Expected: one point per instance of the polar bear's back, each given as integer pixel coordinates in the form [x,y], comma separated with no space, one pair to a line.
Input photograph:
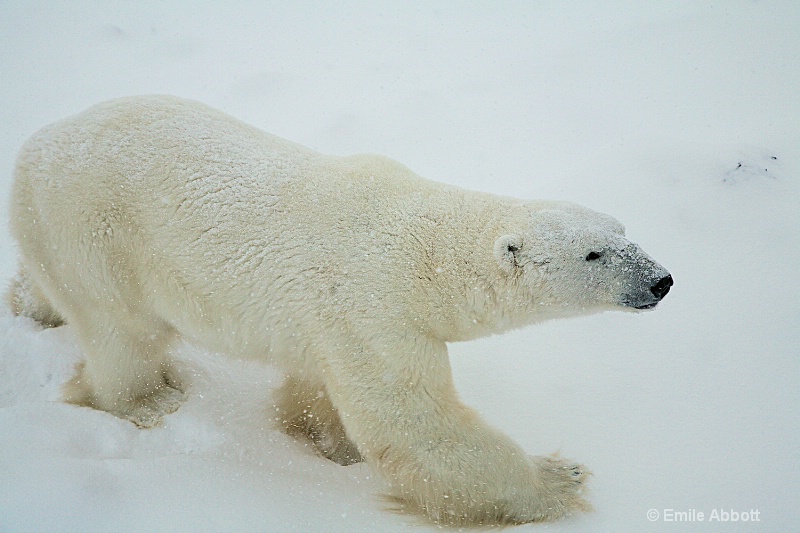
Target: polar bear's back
[154,151]
[140,143]
[178,207]
[156,161]
[135,190]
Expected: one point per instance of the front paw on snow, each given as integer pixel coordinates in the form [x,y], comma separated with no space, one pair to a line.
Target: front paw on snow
[562,484]
[553,466]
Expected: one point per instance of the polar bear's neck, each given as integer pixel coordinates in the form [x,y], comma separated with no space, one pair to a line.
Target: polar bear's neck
[438,240]
[468,293]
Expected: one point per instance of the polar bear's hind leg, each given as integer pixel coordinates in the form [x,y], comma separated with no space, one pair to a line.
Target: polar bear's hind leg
[25,298]
[126,368]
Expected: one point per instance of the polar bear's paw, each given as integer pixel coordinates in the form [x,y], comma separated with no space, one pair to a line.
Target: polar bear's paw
[26,299]
[514,489]
[333,444]
[150,411]
[146,411]
[561,485]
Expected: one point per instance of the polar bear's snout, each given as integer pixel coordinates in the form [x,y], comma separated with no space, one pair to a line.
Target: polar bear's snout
[648,281]
[661,288]
[652,295]
[658,291]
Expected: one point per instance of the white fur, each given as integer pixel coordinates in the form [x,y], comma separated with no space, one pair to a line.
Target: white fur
[148,218]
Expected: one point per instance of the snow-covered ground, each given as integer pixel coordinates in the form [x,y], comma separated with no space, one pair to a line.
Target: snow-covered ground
[682,119]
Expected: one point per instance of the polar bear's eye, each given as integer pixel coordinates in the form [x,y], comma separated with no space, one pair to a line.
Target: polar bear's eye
[593,255]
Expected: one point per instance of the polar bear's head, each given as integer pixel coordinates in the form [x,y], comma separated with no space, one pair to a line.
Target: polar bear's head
[574,261]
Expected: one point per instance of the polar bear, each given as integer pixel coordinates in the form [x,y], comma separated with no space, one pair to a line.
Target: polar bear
[146,219]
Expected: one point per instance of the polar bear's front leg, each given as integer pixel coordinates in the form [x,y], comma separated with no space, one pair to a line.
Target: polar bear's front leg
[440,458]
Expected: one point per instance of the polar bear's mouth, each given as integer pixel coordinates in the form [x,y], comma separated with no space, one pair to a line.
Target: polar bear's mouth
[657,291]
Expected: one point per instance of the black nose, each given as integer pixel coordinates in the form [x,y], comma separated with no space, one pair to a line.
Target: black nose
[661,288]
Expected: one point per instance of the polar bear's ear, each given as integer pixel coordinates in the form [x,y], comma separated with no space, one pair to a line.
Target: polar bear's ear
[506,251]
